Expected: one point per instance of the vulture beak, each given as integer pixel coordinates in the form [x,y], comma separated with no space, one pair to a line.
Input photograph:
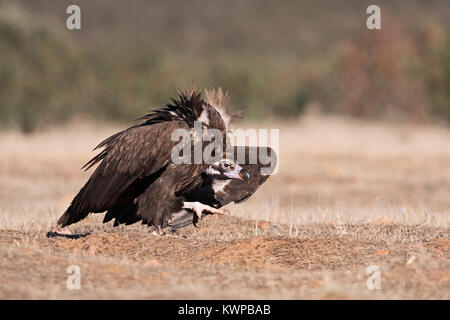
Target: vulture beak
[243,175]
[238,173]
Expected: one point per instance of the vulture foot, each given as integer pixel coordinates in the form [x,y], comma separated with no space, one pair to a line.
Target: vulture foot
[199,207]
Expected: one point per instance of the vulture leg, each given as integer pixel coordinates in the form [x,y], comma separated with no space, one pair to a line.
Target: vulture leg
[198,208]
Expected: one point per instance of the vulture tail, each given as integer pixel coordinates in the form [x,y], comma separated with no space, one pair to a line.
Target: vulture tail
[76,211]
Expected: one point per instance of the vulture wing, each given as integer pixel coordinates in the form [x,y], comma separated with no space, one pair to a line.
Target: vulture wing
[135,178]
[136,158]
[130,161]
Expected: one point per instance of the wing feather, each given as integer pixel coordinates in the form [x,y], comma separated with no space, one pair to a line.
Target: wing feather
[135,153]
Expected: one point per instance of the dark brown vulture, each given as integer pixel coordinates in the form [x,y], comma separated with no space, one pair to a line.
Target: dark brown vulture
[137,180]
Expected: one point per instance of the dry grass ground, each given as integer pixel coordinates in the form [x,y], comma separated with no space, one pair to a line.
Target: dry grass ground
[348,195]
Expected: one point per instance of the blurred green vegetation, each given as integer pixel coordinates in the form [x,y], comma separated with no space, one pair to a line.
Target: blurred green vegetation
[49,75]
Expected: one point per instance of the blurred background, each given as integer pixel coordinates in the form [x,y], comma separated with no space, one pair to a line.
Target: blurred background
[364,148]
[277,60]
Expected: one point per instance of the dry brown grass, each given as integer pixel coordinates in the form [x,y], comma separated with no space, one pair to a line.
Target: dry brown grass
[348,195]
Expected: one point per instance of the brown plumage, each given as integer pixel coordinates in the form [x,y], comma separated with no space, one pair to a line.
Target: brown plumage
[135,164]
[213,190]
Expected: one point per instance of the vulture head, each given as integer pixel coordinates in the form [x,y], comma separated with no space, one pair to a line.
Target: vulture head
[226,169]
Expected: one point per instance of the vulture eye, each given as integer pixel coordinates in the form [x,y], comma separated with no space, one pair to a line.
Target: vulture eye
[225,165]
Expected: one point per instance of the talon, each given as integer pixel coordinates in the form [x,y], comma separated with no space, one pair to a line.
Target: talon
[195,221]
[199,214]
